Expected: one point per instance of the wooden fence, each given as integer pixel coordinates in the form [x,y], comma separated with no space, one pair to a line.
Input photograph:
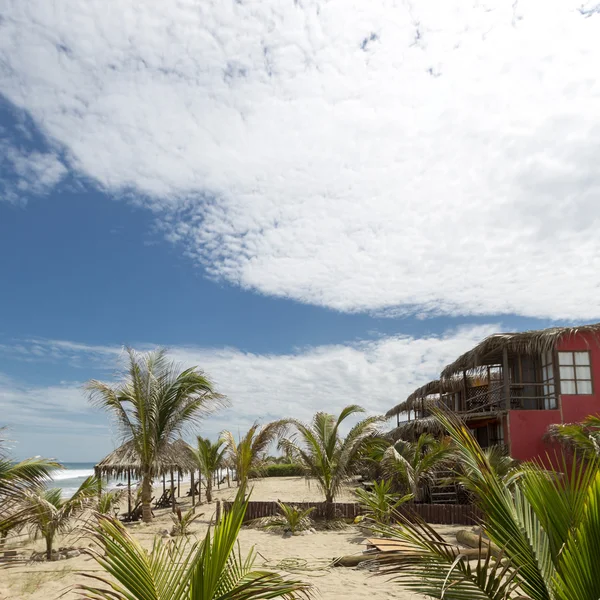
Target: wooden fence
[442,514]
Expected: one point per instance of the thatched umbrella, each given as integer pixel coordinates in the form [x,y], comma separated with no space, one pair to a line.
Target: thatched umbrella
[175,457]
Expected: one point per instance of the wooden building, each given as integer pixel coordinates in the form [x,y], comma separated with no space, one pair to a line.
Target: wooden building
[511,387]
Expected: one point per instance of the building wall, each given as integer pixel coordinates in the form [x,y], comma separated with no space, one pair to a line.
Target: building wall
[527,429]
[576,408]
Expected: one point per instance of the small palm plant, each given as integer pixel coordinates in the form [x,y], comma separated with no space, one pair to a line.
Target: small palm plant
[381,504]
[46,513]
[182,521]
[291,519]
[547,525]
[412,465]
[211,459]
[211,569]
[246,455]
[325,455]
[15,479]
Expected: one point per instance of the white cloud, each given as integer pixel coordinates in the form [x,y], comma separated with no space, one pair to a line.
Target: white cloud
[31,172]
[425,156]
[376,374]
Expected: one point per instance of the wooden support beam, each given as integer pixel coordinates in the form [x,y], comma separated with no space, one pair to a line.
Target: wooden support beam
[506,378]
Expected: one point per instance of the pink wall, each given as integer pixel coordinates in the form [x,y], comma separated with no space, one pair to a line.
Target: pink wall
[576,408]
[527,429]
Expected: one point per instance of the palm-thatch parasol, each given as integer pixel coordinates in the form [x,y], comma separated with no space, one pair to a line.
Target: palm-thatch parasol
[175,457]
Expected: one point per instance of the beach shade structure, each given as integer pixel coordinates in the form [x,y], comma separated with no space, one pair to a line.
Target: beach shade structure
[175,457]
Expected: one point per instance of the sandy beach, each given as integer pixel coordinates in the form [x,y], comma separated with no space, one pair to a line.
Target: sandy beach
[310,553]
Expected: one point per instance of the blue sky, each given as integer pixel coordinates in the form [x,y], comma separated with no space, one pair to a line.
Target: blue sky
[312,220]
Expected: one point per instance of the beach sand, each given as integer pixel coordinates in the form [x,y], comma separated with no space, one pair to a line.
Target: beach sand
[48,581]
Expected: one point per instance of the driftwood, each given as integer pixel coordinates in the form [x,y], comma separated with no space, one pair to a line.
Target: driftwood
[353,560]
[468,538]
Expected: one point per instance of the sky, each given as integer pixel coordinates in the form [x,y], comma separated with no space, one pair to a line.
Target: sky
[317,202]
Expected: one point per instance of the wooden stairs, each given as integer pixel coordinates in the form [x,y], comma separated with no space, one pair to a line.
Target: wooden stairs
[443,488]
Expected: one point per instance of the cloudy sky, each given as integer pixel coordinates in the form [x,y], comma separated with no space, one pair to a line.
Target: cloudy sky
[317,201]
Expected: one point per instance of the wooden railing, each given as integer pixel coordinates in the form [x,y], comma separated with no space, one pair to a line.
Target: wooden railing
[443,514]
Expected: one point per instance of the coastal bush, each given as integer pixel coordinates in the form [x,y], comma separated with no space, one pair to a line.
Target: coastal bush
[278,470]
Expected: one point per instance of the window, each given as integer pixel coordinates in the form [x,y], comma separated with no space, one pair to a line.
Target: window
[548,381]
[575,372]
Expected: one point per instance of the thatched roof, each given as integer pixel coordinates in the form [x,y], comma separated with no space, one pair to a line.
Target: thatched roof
[411,430]
[489,351]
[177,456]
[425,396]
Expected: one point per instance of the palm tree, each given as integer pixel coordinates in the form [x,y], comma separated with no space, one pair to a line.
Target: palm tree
[152,405]
[325,455]
[15,479]
[547,525]
[208,570]
[47,513]
[246,455]
[583,438]
[414,464]
[211,458]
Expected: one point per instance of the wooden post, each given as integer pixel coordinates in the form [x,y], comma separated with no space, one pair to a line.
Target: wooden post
[193,488]
[464,402]
[172,491]
[178,488]
[218,512]
[506,377]
[129,492]
[228,481]
[164,484]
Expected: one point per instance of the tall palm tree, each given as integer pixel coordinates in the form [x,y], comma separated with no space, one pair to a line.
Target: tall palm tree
[547,525]
[47,513]
[246,454]
[152,405]
[211,458]
[208,570]
[412,465]
[325,455]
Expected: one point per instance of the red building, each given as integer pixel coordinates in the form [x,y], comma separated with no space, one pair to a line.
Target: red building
[511,387]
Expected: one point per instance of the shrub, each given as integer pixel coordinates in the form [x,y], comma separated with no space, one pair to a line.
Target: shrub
[278,470]
[291,518]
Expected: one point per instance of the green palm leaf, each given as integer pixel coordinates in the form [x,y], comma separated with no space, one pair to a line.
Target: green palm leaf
[208,570]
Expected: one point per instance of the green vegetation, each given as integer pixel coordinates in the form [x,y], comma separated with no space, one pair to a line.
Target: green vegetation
[291,518]
[381,504]
[210,458]
[46,513]
[246,455]
[15,479]
[279,470]
[182,521]
[207,570]
[583,438]
[412,465]
[325,454]
[152,405]
[547,525]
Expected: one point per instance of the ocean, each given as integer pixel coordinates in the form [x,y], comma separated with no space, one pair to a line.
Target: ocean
[75,473]
[71,477]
